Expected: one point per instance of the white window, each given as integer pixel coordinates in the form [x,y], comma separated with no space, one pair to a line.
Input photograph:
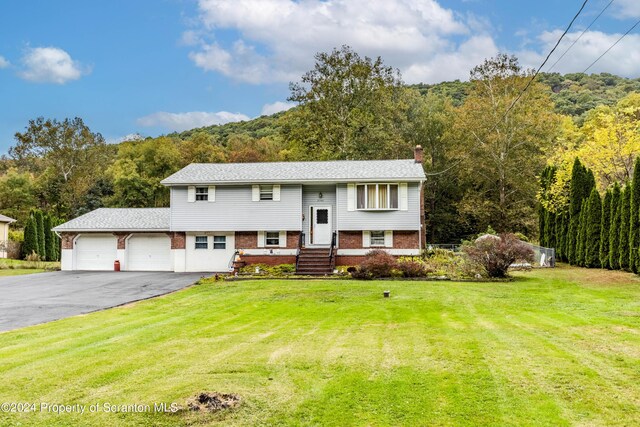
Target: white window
[202,193]
[219,242]
[202,242]
[266,192]
[377,238]
[377,196]
[272,238]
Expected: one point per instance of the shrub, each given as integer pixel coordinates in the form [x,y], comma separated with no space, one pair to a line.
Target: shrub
[269,270]
[377,263]
[410,267]
[496,253]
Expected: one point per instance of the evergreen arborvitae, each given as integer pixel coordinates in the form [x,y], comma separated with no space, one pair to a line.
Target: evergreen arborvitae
[542,217]
[575,203]
[625,202]
[582,234]
[605,226]
[562,228]
[30,244]
[550,230]
[56,240]
[634,223]
[50,251]
[614,232]
[42,250]
[592,240]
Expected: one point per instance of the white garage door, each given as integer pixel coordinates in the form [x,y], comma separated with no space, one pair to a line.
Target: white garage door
[96,251]
[149,252]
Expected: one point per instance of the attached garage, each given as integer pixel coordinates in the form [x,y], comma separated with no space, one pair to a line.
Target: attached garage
[95,251]
[149,252]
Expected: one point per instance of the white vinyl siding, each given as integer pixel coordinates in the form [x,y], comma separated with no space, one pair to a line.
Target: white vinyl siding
[398,219]
[234,210]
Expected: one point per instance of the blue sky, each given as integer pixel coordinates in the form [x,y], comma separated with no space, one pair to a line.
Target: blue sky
[155,66]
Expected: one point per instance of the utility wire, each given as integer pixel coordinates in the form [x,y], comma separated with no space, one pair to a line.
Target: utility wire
[612,46]
[545,61]
[580,36]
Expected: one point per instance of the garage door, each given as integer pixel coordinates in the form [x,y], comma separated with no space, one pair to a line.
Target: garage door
[96,252]
[149,252]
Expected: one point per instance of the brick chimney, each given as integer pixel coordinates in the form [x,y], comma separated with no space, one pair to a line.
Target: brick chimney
[417,154]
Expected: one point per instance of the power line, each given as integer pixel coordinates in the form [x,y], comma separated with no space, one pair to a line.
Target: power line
[545,60]
[612,46]
[580,36]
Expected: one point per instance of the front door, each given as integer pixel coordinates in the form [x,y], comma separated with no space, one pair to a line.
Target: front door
[320,225]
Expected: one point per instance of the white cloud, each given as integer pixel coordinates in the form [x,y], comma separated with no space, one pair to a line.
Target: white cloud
[278,38]
[50,65]
[627,9]
[3,62]
[623,59]
[276,107]
[128,137]
[193,119]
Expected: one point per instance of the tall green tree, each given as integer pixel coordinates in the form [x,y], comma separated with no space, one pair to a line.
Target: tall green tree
[579,183]
[350,107]
[634,217]
[625,206]
[503,145]
[582,234]
[39,218]
[593,230]
[30,244]
[605,230]
[50,250]
[550,228]
[614,233]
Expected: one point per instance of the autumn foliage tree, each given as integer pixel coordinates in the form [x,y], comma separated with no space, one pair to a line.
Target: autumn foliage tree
[496,253]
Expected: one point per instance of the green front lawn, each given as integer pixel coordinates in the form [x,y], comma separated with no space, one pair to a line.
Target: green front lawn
[15,267]
[555,347]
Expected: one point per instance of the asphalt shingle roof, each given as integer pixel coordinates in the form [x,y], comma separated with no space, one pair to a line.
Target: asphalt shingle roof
[120,219]
[333,171]
[4,218]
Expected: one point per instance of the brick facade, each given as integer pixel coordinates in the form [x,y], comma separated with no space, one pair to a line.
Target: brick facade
[269,259]
[350,239]
[178,240]
[406,239]
[67,240]
[249,240]
[122,239]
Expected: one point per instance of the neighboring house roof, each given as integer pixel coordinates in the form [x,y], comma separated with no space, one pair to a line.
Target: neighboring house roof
[4,218]
[296,172]
[120,219]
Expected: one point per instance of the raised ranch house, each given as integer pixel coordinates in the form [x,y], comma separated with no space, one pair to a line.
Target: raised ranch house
[4,234]
[314,214]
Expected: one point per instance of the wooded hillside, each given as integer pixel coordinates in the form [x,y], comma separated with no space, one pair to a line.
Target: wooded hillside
[484,155]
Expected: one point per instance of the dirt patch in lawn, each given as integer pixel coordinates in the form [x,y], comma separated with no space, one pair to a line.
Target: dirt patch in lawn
[213,402]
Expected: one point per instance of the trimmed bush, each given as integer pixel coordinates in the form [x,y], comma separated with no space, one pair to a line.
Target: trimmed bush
[377,263]
[496,253]
[410,267]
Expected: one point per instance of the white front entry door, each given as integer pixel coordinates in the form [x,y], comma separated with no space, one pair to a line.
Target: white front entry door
[321,225]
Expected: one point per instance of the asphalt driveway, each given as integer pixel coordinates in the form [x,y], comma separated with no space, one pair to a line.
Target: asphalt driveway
[38,298]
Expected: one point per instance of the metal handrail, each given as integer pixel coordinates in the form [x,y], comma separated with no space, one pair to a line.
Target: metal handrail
[332,258]
[300,243]
[233,258]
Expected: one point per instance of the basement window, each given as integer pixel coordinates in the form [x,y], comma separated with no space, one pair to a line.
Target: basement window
[377,238]
[201,242]
[219,242]
[272,238]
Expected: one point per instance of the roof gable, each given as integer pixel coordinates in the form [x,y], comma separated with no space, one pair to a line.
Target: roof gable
[119,219]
